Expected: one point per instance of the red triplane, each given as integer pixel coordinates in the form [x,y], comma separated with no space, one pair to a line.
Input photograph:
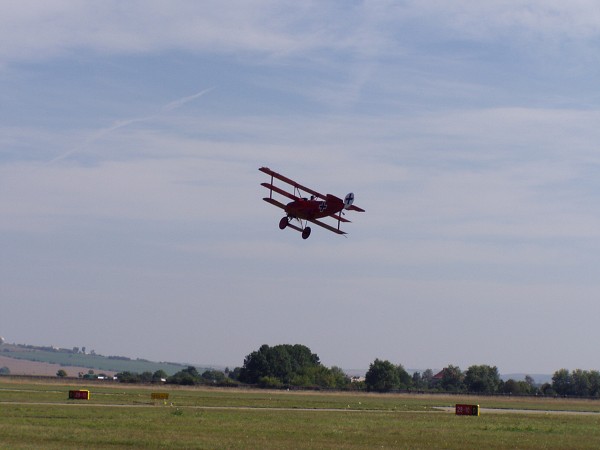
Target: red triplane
[308,209]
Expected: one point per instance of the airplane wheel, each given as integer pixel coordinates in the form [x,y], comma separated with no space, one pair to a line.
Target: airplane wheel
[283,223]
[306,233]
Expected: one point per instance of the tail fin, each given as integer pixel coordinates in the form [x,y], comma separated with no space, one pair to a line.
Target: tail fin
[348,200]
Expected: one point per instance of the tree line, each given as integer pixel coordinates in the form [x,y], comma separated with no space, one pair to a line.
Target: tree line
[383,376]
[296,366]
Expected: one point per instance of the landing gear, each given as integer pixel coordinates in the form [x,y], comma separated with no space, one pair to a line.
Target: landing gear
[283,223]
[306,233]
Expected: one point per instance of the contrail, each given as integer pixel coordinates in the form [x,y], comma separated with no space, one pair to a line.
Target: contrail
[182,101]
[123,123]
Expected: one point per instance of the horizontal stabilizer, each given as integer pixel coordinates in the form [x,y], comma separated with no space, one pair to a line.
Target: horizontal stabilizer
[340,218]
[356,208]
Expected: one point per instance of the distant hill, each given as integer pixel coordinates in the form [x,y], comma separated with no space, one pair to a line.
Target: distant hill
[99,363]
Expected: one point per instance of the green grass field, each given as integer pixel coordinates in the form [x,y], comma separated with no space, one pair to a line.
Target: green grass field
[39,415]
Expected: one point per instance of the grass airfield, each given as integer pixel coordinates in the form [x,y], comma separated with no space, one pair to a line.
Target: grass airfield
[40,415]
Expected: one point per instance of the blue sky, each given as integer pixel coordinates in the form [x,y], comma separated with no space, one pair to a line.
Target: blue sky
[131,219]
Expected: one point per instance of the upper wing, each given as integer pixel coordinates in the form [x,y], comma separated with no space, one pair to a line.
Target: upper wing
[290,182]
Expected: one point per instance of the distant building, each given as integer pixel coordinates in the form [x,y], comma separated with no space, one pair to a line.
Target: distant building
[438,376]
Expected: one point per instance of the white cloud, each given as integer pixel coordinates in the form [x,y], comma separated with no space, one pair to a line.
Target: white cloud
[471,18]
[467,170]
[36,30]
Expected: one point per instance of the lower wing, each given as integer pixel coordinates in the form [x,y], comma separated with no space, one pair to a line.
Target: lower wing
[327,227]
[274,202]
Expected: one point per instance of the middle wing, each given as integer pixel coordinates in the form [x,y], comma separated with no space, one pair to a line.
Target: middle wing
[279,191]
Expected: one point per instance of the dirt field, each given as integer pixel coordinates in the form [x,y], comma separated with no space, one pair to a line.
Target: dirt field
[22,367]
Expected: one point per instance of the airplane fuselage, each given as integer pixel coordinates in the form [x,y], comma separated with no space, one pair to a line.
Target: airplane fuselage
[307,209]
